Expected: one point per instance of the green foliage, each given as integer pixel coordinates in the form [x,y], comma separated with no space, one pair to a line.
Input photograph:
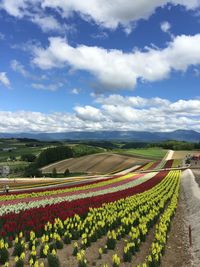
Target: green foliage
[67,239]
[75,251]
[134,145]
[32,170]
[175,145]
[41,252]
[28,157]
[82,150]
[53,260]
[4,255]
[19,263]
[111,243]
[18,249]
[54,154]
[59,244]
[127,256]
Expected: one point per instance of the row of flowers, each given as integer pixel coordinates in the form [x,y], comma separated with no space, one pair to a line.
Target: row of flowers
[29,219]
[156,165]
[130,217]
[81,194]
[50,192]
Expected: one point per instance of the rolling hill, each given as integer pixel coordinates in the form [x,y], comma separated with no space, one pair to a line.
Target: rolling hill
[179,135]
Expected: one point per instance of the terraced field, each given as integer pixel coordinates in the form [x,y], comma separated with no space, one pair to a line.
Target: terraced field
[96,164]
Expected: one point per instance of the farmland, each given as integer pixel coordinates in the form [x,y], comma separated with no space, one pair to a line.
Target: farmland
[150,153]
[98,163]
[114,221]
[181,154]
[109,218]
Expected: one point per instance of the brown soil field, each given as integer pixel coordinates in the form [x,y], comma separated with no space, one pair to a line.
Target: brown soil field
[96,164]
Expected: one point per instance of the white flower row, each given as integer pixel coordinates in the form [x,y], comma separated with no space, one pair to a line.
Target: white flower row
[22,206]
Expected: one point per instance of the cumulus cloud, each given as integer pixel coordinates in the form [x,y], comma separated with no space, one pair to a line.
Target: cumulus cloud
[138,114]
[27,121]
[116,69]
[4,79]
[89,113]
[110,13]
[106,13]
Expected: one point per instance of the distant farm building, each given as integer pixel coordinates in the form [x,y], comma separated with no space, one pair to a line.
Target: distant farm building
[9,149]
[4,170]
[193,160]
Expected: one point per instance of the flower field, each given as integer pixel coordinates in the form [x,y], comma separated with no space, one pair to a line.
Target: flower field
[156,165]
[103,222]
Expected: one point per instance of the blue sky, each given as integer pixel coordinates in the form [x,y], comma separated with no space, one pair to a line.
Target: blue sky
[99,65]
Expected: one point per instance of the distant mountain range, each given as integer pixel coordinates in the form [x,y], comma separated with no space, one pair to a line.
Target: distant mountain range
[179,135]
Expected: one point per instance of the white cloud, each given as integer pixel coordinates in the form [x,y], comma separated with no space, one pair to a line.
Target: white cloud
[76,91]
[106,13]
[111,14]
[48,87]
[18,67]
[137,113]
[131,101]
[48,23]
[165,26]
[32,11]
[4,79]
[116,69]
[89,113]
[155,114]
[14,8]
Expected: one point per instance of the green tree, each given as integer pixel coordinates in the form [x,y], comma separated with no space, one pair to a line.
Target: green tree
[54,172]
[67,172]
[28,157]
[32,170]
[54,154]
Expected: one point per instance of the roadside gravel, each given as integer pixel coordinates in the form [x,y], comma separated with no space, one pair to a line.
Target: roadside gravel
[191,192]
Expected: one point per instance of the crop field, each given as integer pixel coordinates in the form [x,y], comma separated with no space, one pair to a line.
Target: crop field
[150,153]
[164,164]
[19,184]
[182,154]
[98,163]
[117,221]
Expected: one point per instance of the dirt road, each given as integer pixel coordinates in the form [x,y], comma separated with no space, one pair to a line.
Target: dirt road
[191,192]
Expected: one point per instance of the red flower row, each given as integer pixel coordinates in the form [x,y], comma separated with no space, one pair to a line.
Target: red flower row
[36,218]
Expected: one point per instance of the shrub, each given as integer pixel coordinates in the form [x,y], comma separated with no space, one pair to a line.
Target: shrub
[4,255]
[18,249]
[19,263]
[59,244]
[53,260]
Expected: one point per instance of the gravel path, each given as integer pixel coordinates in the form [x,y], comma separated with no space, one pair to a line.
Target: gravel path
[192,196]
[169,155]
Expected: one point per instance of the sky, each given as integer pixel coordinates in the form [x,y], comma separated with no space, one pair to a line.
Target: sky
[72,65]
